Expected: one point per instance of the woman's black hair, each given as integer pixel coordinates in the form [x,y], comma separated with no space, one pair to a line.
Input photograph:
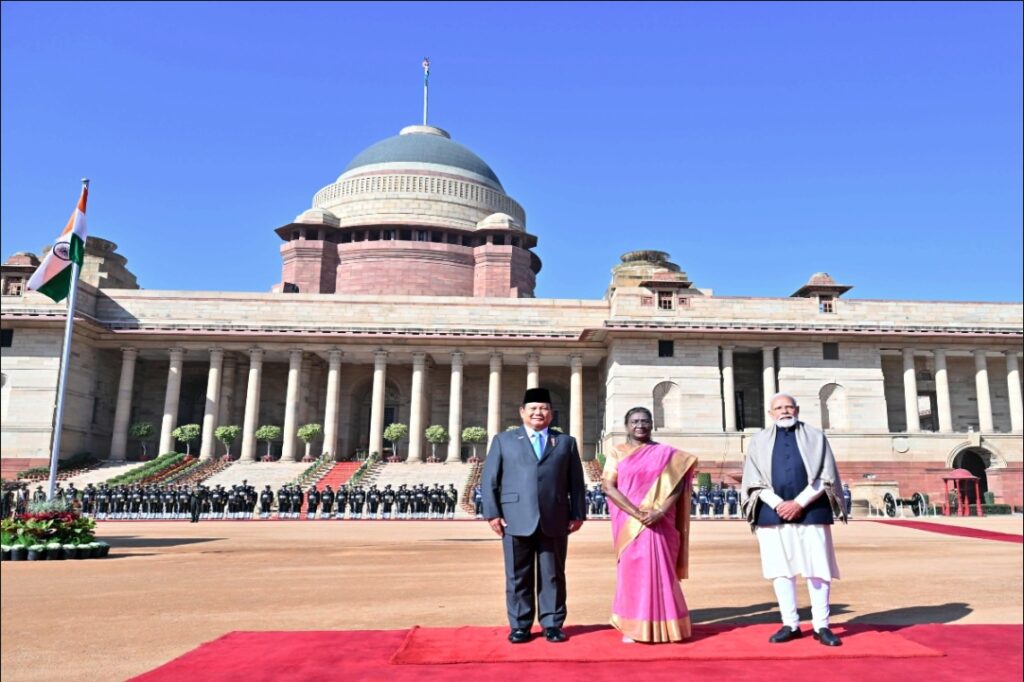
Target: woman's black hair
[633,410]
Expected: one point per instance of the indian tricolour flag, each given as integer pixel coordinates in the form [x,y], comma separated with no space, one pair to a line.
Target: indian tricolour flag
[53,277]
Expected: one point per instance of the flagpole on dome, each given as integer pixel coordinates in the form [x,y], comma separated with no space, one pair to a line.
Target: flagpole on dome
[74,255]
[426,83]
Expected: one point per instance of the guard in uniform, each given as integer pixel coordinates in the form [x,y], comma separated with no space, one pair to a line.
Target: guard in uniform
[847,500]
[342,501]
[312,502]
[283,502]
[387,501]
[266,501]
[327,500]
[451,501]
[372,502]
[704,502]
[732,501]
[718,501]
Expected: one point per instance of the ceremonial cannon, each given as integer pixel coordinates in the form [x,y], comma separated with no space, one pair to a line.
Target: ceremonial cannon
[917,503]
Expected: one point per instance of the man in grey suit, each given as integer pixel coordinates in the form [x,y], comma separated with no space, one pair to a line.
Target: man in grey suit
[534,495]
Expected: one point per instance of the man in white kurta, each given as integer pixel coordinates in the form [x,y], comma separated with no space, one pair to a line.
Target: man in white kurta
[791,495]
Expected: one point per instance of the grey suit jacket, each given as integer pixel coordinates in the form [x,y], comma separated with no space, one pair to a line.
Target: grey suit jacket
[530,493]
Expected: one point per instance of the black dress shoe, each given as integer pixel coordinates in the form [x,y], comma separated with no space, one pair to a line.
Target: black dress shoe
[827,637]
[555,635]
[785,634]
[519,636]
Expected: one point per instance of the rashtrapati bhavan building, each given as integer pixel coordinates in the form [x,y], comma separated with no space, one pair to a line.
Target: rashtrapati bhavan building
[407,295]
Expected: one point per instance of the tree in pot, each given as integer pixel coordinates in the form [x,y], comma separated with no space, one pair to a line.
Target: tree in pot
[308,433]
[142,432]
[268,433]
[227,435]
[474,435]
[187,433]
[435,435]
[393,434]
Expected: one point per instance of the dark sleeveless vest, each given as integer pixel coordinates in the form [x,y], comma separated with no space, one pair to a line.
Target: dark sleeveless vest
[789,478]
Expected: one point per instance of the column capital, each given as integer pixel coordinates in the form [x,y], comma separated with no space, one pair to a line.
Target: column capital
[496,359]
[129,351]
[216,350]
[768,349]
[380,357]
[576,360]
[176,352]
[256,352]
[457,358]
[729,348]
[335,355]
[419,359]
[295,352]
[939,352]
[533,358]
[909,352]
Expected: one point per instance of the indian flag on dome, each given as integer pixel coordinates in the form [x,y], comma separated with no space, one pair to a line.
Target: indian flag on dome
[53,278]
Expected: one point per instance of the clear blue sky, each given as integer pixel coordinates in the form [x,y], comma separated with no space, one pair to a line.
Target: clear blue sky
[757,143]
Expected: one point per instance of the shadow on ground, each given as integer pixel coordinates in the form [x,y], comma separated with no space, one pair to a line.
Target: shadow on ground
[916,615]
[116,541]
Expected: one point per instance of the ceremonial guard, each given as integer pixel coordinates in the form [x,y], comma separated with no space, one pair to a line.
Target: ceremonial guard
[403,502]
[283,502]
[451,501]
[847,499]
[478,502]
[357,498]
[718,501]
[327,500]
[387,501]
[732,501]
[704,502]
[266,501]
[88,500]
[342,501]
[372,502]
[312,502]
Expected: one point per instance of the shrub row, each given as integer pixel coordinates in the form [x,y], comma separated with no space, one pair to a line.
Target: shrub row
[167,459]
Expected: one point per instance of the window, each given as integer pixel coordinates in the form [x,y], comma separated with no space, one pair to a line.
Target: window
[665,300]
[647,301]
[6,337]
[830,351]
[422,236]
[684,302]
[666,349]
[826,304]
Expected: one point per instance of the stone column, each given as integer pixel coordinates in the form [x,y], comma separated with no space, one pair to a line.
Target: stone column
[942,393]
[291,407]
[331,403]
[728,389]
[494,399]
[455,409]
[1013,388]
[123,411]
[576,399]
[532,370]
[380,368]
[910,392]
[252,405]
[208,443]
[984,397]
[227,390]
[416,428]
[768,375]
[170,419]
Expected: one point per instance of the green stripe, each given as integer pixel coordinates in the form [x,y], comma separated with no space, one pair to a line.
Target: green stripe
[76,249]
[59,287]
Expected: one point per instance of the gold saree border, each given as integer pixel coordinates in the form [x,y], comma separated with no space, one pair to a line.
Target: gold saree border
[680,464]
[653,631]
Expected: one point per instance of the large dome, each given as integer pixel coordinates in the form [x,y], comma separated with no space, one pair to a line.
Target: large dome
[427,145]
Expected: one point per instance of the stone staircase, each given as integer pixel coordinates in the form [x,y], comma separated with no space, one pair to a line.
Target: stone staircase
[415,473]
[258,474]
[102,473]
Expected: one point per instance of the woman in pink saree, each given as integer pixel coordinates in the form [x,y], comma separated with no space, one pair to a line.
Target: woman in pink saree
[649,485]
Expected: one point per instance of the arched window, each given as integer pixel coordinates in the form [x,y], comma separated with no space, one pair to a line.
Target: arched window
[833,407]
[668,411]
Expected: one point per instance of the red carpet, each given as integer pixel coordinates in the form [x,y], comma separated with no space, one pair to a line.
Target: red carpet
[426,646]
[969,652]
[957,530]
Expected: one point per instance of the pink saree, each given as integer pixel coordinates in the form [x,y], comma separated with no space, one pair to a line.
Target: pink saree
[649,604]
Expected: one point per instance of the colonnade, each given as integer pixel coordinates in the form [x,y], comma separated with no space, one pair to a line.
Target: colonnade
[220,386]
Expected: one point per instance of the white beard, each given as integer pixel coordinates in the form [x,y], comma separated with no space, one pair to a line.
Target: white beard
[785,422]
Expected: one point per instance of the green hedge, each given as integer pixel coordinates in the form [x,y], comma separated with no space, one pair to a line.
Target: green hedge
[168,459]
[77,461]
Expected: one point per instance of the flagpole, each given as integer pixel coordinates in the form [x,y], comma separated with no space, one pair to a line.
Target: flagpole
[58,420]
[426,79]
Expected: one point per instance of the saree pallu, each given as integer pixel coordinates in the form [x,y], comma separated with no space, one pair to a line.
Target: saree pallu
[649,605]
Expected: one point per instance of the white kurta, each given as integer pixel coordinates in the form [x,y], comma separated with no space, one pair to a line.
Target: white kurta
[797,549]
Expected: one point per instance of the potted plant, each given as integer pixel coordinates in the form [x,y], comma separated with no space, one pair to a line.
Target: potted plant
[187,434]
[19,552]
[435,435]
[394,433]
[53,551]
[94,550]
[36,552]
[103,548]
[307,433]
[82,551]
[5,550]
[68,551]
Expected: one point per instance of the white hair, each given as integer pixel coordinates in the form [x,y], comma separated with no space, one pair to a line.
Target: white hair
[782,395]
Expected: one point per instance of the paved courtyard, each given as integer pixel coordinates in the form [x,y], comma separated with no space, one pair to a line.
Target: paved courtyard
[169,586]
